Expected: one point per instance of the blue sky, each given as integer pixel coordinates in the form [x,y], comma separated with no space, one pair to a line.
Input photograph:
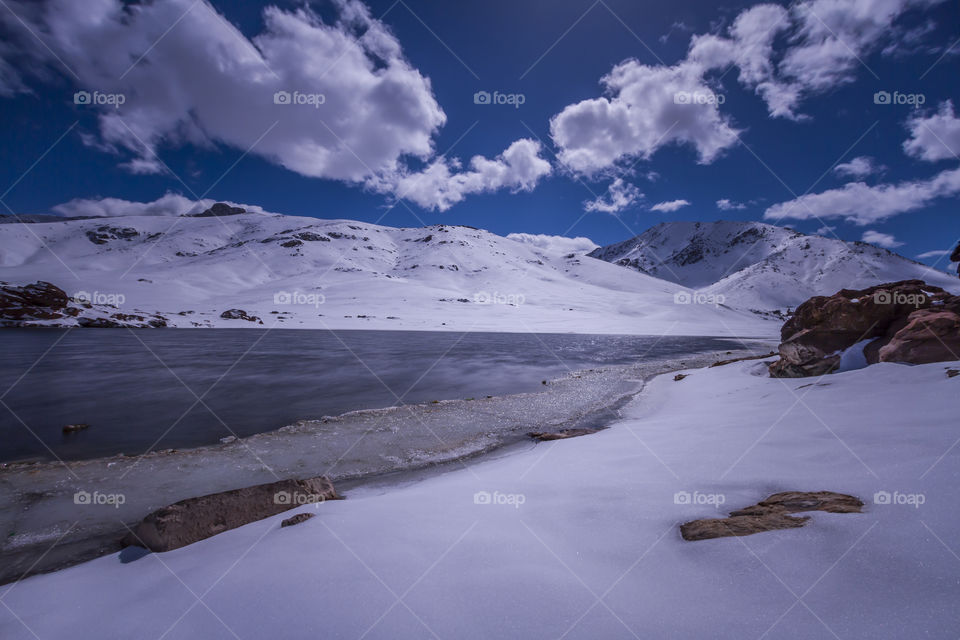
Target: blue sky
[769,125]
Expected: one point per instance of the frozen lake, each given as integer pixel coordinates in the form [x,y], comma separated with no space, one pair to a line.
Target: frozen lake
[139,390]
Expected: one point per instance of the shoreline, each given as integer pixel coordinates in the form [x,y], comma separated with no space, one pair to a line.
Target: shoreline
[39,506]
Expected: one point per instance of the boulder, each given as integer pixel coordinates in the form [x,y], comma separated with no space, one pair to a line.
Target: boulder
[771,514]
[814,338]
[930,335]
[194,519]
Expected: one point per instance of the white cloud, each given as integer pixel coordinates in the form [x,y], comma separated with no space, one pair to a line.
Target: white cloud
[170,204]
[825,41]
[646,108]
[724,204]
[933,254]
[861,204]
[203,82]
[859,167]
[442,183]
[825,230]
[669,206]
[936,137]
[619,196]
[884,240]
[560,245]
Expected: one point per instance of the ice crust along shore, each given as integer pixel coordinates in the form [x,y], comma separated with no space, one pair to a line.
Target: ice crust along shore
[592,549]
[39,499]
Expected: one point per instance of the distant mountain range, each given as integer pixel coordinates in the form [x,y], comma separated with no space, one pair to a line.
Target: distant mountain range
[762,266]
[230,269]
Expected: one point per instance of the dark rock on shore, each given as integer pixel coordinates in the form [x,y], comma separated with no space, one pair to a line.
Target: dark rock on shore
[195,519]
[771,514]
[239,314]
[37,301]
[907,321]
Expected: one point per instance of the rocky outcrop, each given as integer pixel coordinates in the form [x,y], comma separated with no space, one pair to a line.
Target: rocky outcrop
[771,514]
[955,257]
[195,519]
[239,314]
[907,321]
[104,234]
[218,210]
[37,301]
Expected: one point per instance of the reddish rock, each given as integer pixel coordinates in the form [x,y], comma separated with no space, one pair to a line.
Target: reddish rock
[824,326]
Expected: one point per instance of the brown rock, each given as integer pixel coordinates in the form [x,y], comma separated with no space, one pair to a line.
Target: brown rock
[297,519]
[929,336]
[679,377]
[771,514]
[37,301]
[194,519]
[824,326]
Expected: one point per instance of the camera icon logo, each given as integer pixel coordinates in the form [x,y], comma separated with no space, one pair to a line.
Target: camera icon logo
[482,497]
[281,97]
[681,97]
[681,497]
[881,97]
[682,297]
[282,497]
[283,297]
[881,497]
[82,497]
[882,297]
[81,97]
[481,97]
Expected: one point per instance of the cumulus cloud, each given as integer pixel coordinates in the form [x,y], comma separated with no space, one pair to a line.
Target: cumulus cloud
[825,230]
[935,137]
[443,183]
[884,240]
[862,204]
[560,245]
[725,204]
[669,206]
[619,196]
[933,254]
[783,55]
[170,204]
[333,99]
[859,167]
[646,108]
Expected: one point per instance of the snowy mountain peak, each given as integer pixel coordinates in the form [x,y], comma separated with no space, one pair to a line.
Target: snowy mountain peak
[761,266]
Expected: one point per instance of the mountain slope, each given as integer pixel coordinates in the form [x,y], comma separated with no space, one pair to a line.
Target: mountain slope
[306,272]
[761,266]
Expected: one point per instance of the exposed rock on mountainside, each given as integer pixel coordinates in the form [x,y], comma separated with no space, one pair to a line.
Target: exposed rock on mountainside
[771,514]
[218,210]
[955,257]
[908,321]
[194,519]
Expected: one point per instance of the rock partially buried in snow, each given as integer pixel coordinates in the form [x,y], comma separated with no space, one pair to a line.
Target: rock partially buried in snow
[218,210]
[195,519]
[771,514]
[239,314]
[297,519]
[543,436]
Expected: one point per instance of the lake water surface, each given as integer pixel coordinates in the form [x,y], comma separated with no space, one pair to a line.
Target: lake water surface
[160,389]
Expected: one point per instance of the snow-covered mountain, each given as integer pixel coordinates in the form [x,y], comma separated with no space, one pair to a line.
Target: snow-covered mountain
[223,270]
[762,266]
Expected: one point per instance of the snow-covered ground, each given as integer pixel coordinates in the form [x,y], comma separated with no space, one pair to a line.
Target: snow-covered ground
[579,538]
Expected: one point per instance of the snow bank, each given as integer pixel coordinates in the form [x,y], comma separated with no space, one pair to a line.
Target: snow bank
[578,538]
